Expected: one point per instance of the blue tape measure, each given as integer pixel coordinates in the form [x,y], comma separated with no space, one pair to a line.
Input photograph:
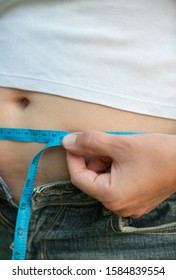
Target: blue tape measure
[53,138]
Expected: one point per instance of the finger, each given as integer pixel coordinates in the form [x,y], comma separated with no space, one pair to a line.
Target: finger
[92,143]
[99,164]
[88,181]
[134,212]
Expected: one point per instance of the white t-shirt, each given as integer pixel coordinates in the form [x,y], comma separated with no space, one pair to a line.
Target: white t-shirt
[118,53]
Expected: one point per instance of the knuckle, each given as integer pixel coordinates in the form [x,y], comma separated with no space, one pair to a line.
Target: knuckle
[120,213]
[137,215]
[89,142]
[126,212]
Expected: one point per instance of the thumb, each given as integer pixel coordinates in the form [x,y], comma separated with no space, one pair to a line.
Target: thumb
[91,143]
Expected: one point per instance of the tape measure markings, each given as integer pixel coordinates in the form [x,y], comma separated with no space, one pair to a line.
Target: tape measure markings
[23,216]
[53,138]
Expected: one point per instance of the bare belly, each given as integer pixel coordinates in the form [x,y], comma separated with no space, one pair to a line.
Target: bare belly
[25,109]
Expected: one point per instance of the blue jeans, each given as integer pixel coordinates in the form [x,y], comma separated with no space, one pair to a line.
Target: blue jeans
[68,224]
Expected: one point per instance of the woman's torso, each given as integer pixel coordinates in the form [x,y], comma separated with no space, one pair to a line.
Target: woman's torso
[25,109]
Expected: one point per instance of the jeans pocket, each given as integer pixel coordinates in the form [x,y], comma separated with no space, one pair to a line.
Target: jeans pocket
[162,220]
[80,232]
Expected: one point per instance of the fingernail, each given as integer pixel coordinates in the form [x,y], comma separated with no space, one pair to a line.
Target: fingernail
[69,140]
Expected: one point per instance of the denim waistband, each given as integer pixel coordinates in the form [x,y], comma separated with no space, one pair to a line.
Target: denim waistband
[76,225]
[56,193]
[59,193]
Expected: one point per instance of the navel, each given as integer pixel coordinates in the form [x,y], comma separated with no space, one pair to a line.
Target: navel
[23,102]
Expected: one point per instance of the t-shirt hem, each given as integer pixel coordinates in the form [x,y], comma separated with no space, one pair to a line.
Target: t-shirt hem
[90,96]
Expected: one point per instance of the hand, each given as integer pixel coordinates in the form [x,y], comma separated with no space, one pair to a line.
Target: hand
[129,175]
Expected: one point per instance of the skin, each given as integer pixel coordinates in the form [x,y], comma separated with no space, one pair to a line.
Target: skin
[130,175]
[27,109]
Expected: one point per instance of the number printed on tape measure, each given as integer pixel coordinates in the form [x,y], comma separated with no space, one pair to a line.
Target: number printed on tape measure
[52,138]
